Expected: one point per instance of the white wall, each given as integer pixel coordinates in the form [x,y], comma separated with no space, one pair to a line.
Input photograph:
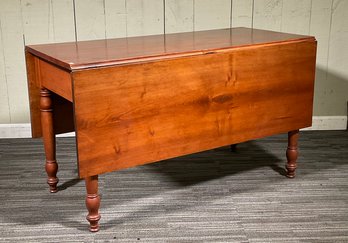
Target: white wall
[43,21]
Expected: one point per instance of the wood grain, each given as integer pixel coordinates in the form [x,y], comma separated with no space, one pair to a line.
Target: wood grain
[292,153]
[170,95]
[55,79]
[20,24]
[34,94]
[92,202]
[49,139]
[147,112]
[63,109]
[101,53]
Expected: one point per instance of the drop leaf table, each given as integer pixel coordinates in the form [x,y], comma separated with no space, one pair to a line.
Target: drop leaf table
[139,100]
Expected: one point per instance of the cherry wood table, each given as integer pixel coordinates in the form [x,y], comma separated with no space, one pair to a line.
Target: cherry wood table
[139,100]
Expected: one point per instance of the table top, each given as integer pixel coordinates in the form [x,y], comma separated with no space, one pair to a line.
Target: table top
[120,51]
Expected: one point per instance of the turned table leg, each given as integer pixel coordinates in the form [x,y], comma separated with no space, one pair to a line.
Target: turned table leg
[292,153]
[49,138]
[92,202]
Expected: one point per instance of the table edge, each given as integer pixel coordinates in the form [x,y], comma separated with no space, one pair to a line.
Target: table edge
[157,57]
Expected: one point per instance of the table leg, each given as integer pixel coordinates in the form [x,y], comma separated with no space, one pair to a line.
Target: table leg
[92,202]
[292,153]
[49,138]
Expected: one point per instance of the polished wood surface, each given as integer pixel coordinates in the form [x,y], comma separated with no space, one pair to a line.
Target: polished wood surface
[49,139]
[149,112]
[34,88]
[92,202]
[55,79]
[97,53]
[63,117]
[292,153]
[140,100]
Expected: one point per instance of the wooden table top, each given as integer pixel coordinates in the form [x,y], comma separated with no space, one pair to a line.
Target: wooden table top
[107,52]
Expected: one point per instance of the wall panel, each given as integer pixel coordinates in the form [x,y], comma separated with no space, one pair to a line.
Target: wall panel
[115,18]
[90,19]
[44,21]
[178,16]
[320,24]
[242,13]
[47,21]
[320,28]
[63,20]
[268,14]
[37,21]
[296,16]
[4,106]
[145,17]
[337,90]
[13,56]
[212,14]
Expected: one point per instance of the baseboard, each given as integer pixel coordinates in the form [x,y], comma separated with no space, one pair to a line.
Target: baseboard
[23,130]
[328,123]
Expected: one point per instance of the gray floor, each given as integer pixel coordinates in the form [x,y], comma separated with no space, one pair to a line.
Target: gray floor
[215,196]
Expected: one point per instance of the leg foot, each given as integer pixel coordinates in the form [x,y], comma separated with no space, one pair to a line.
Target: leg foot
[49,138]
[292,153]
[52,180]
[92,203]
